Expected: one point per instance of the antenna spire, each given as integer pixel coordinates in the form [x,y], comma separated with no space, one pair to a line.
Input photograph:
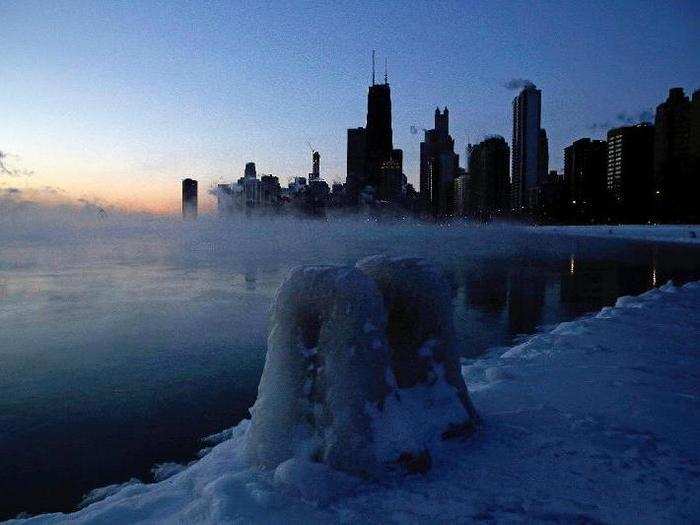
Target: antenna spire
[373,67]
[386,70]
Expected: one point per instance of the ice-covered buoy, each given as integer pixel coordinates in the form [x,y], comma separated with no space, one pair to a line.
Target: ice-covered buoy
[360,372]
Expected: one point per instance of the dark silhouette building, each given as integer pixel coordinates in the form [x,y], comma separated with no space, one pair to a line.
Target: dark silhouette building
[489,184]
[250,187]
[676,174]
[189,199]
[630,173]
[542,157]
[224,199]
[695,147]
[371,157]
[357,177]
[315,166]
[529,148]
[585,174]
[270,192]
[438,166]
[461,193]
[551,199]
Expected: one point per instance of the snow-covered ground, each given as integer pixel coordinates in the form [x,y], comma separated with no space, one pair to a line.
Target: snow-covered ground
[594,421]
[676,233]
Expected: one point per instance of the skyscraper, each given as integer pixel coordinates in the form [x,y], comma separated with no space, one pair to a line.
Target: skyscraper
[371,157]
[630,172]
[189,199]
[529,147]
[585,175]
[489,188]
[675,173]
[438,166]
[356,178]
[315,166]
[251,186]
[542,157]
[379,132]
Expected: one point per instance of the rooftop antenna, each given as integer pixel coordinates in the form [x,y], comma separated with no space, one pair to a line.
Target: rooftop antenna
[373,67]
[386,70]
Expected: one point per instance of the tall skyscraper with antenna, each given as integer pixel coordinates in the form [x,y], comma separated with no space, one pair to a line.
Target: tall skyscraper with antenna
[372,159]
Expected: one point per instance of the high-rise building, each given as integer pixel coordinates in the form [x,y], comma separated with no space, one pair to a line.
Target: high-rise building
[695,143]
[189,199]
[224,199]
[371,157]
[250,172]
[270,191]
[315,166]
[461,192]
[551,199]
[585,175]
[356,178]
[489,185]
[542,157]
[379,132]
[675,172]
[251,186]
[529,146]
[438,166]
[630,170]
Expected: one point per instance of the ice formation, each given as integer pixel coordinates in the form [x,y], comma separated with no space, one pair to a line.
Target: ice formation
[420,326]
[359,360]
[327,358]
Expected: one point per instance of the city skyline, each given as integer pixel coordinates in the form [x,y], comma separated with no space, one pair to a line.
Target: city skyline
[123,116]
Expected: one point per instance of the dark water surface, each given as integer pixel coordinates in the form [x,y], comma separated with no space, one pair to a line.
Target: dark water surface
[119,355]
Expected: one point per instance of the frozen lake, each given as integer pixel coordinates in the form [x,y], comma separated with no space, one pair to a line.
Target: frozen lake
[123,343]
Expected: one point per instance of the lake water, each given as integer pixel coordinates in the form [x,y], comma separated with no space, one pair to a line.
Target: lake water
[122,345]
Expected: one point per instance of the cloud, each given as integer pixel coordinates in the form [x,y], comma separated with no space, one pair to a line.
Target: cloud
[518,83]
[624,118]
[596,126]
[646,116]
[634,118]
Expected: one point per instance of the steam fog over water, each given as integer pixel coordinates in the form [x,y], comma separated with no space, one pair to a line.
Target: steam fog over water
[125,340]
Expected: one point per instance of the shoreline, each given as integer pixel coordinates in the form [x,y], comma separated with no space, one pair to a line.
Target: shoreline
[675,234]
[621,443]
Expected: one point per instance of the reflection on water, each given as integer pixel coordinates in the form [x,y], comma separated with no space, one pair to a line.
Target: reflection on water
[504,298]
[109,366]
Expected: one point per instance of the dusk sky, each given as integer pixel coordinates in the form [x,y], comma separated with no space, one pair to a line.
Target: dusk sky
[118,101]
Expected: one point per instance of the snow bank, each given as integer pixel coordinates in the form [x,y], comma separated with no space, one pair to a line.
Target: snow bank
[676,233]
[595,421]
